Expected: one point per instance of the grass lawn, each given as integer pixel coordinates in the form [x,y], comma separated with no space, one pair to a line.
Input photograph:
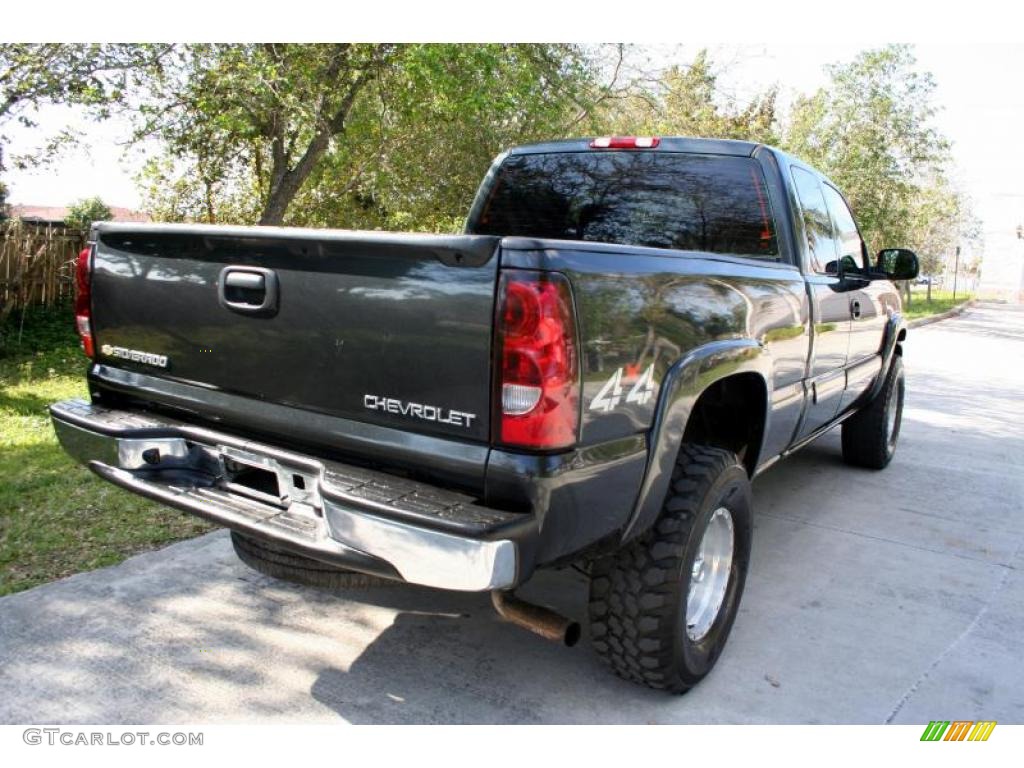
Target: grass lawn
[941,302]
[56,518]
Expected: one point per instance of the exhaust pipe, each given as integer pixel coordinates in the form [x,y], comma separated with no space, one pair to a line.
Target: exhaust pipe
[536,618]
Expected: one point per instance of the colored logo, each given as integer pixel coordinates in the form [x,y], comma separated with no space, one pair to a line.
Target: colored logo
[958,730]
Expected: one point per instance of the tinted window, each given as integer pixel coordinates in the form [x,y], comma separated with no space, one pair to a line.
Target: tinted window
[821,240]
[657,199]
[850,248]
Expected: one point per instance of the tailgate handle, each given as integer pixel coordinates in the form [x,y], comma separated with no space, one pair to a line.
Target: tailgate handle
[248,280]
[252,290]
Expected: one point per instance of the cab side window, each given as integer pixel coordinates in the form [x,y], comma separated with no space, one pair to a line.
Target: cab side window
[851,247]
[822,244]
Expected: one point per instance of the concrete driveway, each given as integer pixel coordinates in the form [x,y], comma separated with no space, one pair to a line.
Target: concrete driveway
[874,597]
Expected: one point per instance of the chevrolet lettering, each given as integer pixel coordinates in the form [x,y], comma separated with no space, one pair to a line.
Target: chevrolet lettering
[419,411]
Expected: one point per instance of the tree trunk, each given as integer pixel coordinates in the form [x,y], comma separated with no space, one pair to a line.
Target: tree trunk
[284,191]
[273,211]
[290,182]
[285,181]
[211,216]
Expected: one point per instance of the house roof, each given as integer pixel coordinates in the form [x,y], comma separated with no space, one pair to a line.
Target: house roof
[50,214]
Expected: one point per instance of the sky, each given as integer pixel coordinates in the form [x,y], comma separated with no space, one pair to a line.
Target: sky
[981,112]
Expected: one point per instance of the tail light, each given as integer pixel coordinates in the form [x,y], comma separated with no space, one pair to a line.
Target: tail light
[625,142]
[83,300]
[538,381]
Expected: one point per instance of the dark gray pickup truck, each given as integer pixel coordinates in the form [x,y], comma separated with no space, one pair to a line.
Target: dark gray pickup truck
[629,330]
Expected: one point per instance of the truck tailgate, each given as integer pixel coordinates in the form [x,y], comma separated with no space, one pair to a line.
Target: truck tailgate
[388,329]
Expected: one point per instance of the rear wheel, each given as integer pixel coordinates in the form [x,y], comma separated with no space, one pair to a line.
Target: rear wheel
[870,435]
[282,564]
[662,608]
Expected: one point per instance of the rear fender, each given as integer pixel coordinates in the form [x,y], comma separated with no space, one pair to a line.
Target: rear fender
[682,387]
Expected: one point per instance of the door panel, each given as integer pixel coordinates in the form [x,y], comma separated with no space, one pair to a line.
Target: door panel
[867,312]
[830,303]
[867,326]
[831,346]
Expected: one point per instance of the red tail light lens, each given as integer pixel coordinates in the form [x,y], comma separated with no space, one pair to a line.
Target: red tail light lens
[537,402]
[83,300]
[625,142]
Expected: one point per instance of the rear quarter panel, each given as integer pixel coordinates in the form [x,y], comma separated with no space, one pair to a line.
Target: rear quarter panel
[643,310]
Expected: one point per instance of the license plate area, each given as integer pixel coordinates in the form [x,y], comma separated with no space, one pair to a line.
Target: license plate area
[267,480]
[252,481]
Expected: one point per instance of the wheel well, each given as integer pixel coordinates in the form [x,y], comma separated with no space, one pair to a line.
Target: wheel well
[731,414]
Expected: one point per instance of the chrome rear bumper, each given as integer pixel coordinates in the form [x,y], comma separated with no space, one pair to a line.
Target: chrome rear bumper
[343,515]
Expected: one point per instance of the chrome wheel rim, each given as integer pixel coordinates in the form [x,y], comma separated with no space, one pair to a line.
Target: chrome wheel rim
[709,577]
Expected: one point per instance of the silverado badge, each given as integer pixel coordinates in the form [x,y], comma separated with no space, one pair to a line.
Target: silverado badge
[134,355]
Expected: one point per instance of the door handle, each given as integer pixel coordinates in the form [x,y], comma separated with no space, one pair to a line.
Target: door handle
[252,290]
[855,309]
[248,281]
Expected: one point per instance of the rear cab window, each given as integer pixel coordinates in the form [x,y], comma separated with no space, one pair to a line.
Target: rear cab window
[691,202]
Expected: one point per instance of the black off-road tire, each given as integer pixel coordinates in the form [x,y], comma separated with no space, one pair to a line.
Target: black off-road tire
[869,436]
[281,564]
[638,595]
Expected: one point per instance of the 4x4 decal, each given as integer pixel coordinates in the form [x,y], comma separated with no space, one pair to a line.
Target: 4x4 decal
[611,393]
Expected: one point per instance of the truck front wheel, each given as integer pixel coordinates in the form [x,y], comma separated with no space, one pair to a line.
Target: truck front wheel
[661,608]
[870,435]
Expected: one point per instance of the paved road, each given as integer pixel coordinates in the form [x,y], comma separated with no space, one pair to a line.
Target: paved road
[906,608]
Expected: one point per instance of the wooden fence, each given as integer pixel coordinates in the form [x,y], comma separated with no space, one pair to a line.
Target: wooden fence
[36,264]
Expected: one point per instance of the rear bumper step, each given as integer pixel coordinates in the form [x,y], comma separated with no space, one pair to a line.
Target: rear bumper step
[336,513]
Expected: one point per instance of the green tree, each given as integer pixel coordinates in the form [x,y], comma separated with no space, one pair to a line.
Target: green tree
[276,108]
[688,100]
[3,188]
[187,190]
[96,75]
[425,134]
[55,73]
[871,129]
[366,136]
[940,220]
[82,214]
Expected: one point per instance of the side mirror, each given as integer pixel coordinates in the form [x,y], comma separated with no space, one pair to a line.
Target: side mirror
[897,264]
[845,266]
